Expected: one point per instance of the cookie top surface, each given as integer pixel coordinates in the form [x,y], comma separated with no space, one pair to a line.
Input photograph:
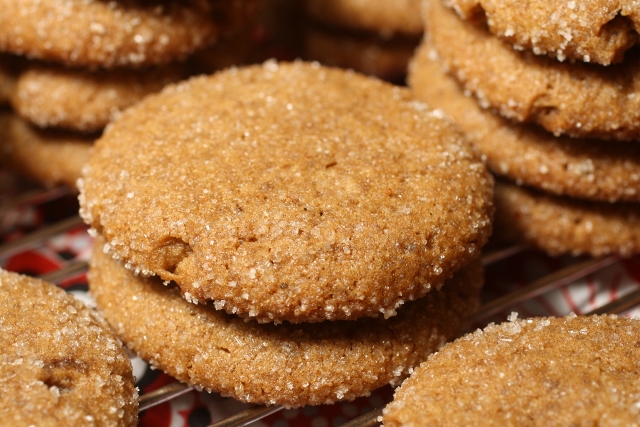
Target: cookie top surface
[577,99]
[83,100]
[562,225]
[594,31]
[578,167]
[383,17]
[99,33]
[60,363]
[291,365]
[289,192]
[540,371]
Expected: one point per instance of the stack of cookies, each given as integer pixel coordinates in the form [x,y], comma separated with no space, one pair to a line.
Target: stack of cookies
[372,37]
[285,233]
[89,60]
[549,95]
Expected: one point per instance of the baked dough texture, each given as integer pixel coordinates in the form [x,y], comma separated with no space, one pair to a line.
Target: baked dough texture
[532,372]
[290,192]
[286,364]
[590,31]
[60,362]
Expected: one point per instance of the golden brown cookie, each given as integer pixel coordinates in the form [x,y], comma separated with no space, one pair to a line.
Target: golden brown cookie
[286,364]
[289,191]
[83,100]
[581,100]
[561,225]
[97,33]
[532,372]
[383,17]
[594,31]
[582,168]
[47,156]
[60,363]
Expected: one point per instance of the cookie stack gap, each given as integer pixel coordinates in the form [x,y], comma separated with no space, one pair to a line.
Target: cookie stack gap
[290,198]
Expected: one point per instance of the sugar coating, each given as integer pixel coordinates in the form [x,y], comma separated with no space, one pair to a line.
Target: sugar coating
[562,225]
[98,33]
[47,156]
[60,363]
[574,370]
[83,100]
[577,167]
[387,17]
[286,364]
[594,31]
[576,99]
[290,192]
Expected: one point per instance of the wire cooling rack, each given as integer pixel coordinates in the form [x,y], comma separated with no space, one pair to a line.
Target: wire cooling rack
[42,235]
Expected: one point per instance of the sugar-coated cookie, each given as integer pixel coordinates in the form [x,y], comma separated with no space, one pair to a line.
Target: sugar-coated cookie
[60,362]
[577,99]
[532,372]
[591,31]
[577,167]
[286,364]
[289,191]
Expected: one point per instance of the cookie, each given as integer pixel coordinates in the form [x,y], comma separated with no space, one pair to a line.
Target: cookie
[539,371]
[561,225]
[289,191]
[596,31]
[580,100]
[386,18]
[95,33]
[286,364]
[581,168]
[83,100]
[47,156]
[60,363]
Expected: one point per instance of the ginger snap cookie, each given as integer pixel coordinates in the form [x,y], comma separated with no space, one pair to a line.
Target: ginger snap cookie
[286,364]
[562,225]
[575,370]
[95,33]
[577,99]
[577,167]
[289,191]
[60,363]
[85,100]
[594,31]
[47,156]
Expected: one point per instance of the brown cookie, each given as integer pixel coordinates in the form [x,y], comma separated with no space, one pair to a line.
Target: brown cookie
[60,363]
[582,168]
[580,100]
[83,100]
[594,31]
[289,191]
[290,365]
[382,17]
[531,372]
[47,156]
[98,33]
[561,225]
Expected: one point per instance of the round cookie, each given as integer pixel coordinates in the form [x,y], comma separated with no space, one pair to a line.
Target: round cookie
[580,100]
[582,168]
[60,363]
[539,371]
[289,191]
[286,364]
[594,31]
[83,100]
[47,156]
[96,33]
[386,18]
[561,225]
